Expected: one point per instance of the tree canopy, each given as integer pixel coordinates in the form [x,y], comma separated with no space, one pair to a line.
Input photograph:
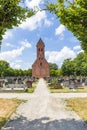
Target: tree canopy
[53,66]
[72,14]
[6,70]
[12,14]
[75,67]
[67,67]
[54,71]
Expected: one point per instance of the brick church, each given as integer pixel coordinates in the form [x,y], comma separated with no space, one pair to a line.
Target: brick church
[40,68]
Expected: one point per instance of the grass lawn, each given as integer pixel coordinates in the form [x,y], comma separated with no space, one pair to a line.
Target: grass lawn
[67,90]
[7,107]
[79,105]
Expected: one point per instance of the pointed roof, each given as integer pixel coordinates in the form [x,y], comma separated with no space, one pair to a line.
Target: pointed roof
[40,42]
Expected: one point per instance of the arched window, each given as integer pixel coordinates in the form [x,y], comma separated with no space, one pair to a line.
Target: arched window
[39,49]
[40,63]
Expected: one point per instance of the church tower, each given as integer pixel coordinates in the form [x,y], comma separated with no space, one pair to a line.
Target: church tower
[40,68]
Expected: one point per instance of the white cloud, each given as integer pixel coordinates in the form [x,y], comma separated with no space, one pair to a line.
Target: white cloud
[26,44]
[77,48]
[33,22]
[36,21]
[7,34]
[20,64]
[11,55]
[15,65]
[60,30]
[59,56]
[33,3]
[18,61]
[48,22]
[15,53]
[8,45]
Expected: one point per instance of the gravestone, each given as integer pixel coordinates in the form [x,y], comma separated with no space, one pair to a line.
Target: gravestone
[71,84]
[1,82]
[29,83]
[66,83]
[85,82]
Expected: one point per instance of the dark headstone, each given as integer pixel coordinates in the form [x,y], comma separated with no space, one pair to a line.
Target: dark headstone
[29,83]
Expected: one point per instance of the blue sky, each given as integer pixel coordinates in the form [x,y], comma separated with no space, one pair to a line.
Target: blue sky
[19,43]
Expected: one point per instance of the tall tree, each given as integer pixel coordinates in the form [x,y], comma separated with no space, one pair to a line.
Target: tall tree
[53,69]
[53,66]
[72,14]
[81,64]
[68,67]
[12,14]
[4,65]
[75,67]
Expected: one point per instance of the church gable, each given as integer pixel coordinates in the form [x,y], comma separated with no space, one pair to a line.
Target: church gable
[40,43]
[40,68]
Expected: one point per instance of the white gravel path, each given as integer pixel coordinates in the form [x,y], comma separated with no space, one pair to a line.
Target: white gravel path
[44,111]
